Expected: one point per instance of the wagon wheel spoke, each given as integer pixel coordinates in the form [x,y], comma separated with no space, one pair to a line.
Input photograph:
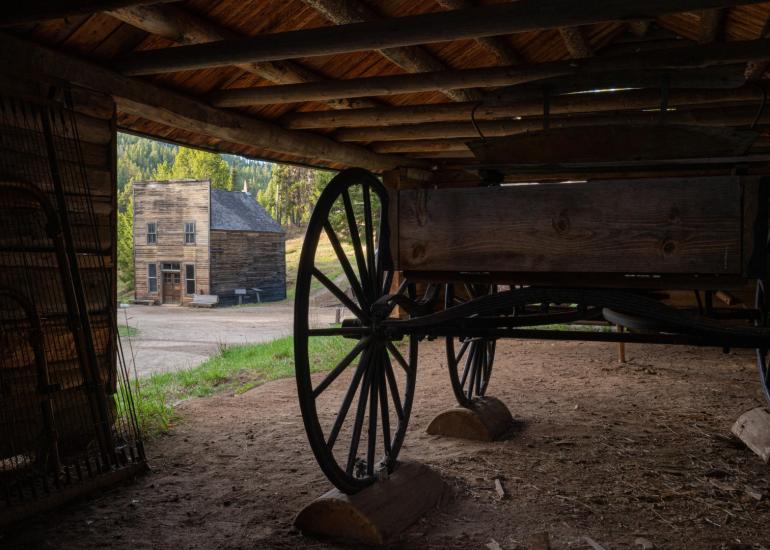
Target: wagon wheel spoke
[393,385]
[399,358]
[476,368]
[339,294]
[374,393]
[347,401]
[359,422]
[356,240]
[341,366]
[345,263]
[369,233]
[385,414]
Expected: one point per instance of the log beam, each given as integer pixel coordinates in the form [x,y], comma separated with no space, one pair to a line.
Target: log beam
[559,105]
[677,58]
[714,117]
[32,11]
[413,59]
[575,42]
[150,101]
[711,25]
[496,45]
[184,27]
[481,21]
[757,69]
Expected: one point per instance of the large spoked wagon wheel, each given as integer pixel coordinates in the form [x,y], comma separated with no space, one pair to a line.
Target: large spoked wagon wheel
[761,300]
[469,360]
[355,414]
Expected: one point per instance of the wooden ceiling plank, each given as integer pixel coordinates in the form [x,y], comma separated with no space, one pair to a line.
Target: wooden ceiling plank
[413,59]
[677,58]
[185,27]
[31,11]
[153,102]
[481,21]
[566,104]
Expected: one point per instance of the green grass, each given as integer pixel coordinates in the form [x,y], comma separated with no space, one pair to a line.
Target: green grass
[235,369]
[125,330]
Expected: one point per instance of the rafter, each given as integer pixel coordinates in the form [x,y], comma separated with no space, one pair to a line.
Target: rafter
[481,21]
[677,58]
[497,45]
[576,42]
[153,102]
[559,105]
[31,11]
[711,25]
[184,27]
[757,69]
[441,132]
[413,59]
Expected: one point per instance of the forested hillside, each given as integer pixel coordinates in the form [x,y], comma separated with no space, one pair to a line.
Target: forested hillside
[287,192]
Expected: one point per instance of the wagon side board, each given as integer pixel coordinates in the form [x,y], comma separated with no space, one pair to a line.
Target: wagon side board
[678,227]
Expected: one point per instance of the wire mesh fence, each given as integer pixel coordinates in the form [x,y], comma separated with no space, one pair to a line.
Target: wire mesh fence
[67,415]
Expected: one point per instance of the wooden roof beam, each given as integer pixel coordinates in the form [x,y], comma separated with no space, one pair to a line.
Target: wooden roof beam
[153,102]
[559,105]
[481,21]
[742,116]
[756,69]
[32,11]
[712,24]
[413,59]
[676,58]
[497,45]
[184,27]
[576,42]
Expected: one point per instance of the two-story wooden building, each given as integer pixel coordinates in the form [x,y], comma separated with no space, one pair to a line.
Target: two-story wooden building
[191,239]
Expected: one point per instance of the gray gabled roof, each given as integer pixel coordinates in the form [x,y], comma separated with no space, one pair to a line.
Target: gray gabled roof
[238,211]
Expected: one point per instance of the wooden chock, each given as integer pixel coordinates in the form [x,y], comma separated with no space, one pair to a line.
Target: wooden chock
[753,428]
[378,513]
[486,420]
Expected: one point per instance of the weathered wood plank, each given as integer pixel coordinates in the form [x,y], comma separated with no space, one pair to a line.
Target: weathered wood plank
[664,226]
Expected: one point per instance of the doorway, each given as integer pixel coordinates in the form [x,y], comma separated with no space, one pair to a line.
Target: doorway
[172,287]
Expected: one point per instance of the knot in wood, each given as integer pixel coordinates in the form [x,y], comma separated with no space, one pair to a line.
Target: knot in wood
[669,247]
[561,223]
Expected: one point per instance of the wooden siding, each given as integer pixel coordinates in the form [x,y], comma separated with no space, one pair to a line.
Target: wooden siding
[170,205]
[37,277]
[245,259]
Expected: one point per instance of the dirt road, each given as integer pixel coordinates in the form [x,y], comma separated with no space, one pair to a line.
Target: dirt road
[174,337]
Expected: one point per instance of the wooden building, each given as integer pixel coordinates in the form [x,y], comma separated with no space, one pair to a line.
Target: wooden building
[191,239]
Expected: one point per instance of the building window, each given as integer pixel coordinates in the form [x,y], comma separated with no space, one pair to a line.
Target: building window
[152,278]
[152,233]
[170,266]
[189,278]
[189,233]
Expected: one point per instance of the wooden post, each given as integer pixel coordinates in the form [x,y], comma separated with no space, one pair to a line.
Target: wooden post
[621,346]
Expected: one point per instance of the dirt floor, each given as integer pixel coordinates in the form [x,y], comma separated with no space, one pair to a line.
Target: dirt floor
[176,337]
[624,455]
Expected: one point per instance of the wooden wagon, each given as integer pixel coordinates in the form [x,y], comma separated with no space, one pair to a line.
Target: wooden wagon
[676,260]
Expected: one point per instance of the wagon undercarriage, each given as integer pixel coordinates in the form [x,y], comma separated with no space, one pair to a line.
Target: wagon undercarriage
[397,248]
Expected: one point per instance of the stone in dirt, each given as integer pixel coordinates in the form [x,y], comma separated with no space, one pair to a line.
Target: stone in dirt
[753,428]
